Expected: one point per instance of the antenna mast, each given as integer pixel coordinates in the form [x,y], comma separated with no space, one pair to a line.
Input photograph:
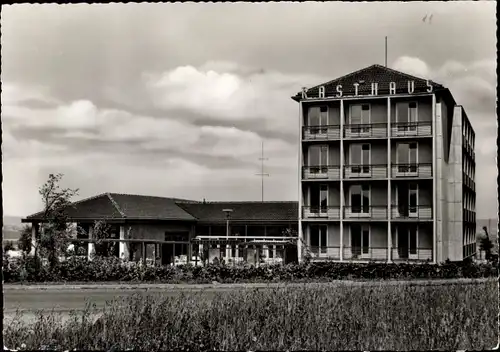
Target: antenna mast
[385,51]
[262,174]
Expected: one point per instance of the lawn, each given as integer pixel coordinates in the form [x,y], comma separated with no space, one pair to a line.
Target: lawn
[345,317]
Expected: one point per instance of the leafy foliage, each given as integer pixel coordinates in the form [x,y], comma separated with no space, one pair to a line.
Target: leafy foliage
[77,269]
[54,232]
[24,241]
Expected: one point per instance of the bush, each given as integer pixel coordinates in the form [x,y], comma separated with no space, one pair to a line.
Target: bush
[77,269]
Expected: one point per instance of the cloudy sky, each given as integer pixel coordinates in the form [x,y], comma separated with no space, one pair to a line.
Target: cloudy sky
[175,99]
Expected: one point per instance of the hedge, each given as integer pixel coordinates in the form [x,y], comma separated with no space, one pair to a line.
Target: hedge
[113,270]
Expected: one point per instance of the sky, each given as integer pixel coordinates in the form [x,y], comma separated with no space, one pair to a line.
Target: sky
[175,99]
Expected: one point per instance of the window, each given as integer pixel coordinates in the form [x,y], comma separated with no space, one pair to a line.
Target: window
[318,238]
[407,156]
[360,239]
[360,199]
[360,158]
[360,115]
[318,158]
[318,116]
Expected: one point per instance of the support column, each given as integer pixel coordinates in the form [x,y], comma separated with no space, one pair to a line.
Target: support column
[341,223]
[301,200]
[123,248]
[34,235]
[91,245]
[389,184]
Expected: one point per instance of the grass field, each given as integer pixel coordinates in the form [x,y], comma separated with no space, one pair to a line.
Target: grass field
[448,317]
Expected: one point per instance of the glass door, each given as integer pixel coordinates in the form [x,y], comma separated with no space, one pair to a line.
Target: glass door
[360,160]
[407,158]
[318,159]
[413,200]
[360,240]
[318,119]
[360,200]
[319,199]
[360,119]
[318,239]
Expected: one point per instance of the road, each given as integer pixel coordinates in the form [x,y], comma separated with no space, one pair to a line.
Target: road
[66,298]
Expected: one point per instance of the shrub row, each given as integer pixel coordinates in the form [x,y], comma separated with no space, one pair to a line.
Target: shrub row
[112,269]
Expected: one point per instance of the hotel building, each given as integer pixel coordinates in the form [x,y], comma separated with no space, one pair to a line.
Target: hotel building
[386,169]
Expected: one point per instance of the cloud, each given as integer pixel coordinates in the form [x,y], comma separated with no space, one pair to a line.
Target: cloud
[412,65]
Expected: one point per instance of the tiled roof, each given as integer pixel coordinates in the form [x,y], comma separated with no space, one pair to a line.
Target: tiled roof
[97,207]
[124,206]
[150,207]
[249,211]
[376,74]
[115,206]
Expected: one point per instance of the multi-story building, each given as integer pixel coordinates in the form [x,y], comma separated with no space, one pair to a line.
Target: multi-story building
[386,170]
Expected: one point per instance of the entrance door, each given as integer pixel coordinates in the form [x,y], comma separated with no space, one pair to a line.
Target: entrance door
[360,240]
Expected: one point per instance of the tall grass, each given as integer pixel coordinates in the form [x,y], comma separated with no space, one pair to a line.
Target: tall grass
[307,318]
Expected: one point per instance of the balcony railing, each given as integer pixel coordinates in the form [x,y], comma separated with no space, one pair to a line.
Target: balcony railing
[326,132]
[411,212]
[411,254]
[321,172]
[365,253]
[372,130]
[423,170]
[411,129]
[325,253]
[314,212]
[365,171]
[365,212]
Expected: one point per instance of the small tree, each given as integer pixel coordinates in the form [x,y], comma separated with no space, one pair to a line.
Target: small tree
[54,234]
[24,241]
[485,244]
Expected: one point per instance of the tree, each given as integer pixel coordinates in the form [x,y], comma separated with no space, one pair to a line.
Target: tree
[24,241]
[8,246]
[485,244]
[54,232]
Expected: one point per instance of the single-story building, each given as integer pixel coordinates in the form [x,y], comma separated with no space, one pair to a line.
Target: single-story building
[168,230]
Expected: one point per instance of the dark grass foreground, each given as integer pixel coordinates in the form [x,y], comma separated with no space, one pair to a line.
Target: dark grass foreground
[448,317]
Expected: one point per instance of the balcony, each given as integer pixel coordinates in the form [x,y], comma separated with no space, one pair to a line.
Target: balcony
[321,172]
[372,130]
[418,170]
[319,212]
[411,254]
[378,212]
[325,253]
[402,212]
[321,133]
[411,129]
[373,171]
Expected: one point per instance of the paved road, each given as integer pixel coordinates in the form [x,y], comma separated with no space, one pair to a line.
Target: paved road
[73,297]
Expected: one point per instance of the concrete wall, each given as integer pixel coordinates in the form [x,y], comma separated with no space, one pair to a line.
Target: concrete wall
[454,181]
